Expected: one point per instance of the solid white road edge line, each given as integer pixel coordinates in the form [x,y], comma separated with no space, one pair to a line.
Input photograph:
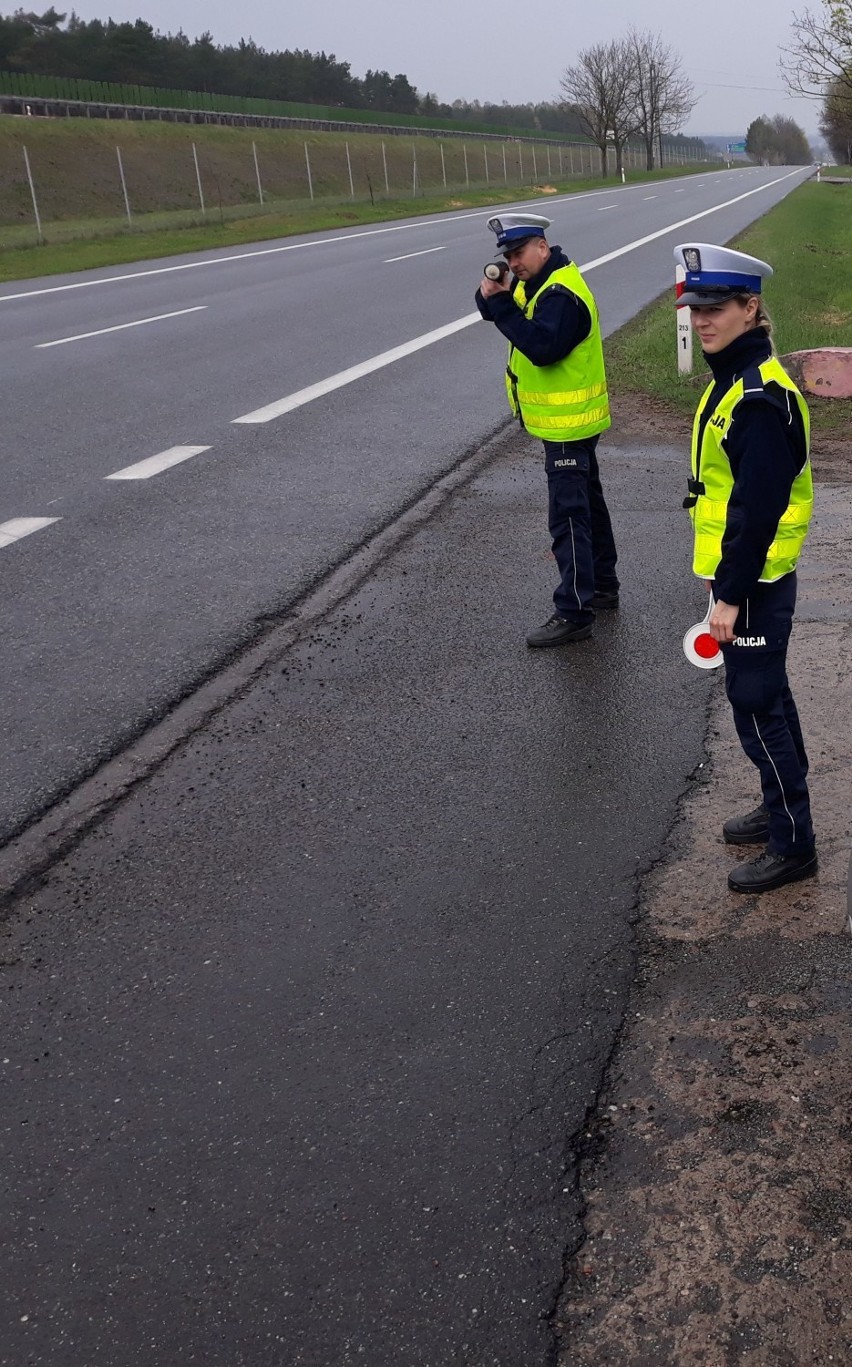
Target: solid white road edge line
[20,527]
[119,327]
[326,241]
[154,464]
[291,247]
[356,372]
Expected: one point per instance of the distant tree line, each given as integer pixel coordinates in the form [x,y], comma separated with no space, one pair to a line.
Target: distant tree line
[54,44]
[133,54]
[778,142]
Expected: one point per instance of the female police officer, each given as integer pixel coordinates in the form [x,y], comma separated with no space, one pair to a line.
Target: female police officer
[750,500]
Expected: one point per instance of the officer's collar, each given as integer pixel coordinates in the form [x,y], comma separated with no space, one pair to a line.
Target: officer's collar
[750,348]
[556,259]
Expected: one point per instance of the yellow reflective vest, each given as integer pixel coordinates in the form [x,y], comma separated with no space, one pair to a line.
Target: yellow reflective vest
[566,401]
[712,483]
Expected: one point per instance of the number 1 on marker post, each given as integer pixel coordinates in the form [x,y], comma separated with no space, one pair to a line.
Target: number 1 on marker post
[684,327]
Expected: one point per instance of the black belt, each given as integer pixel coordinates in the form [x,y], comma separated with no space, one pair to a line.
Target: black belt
[696,489]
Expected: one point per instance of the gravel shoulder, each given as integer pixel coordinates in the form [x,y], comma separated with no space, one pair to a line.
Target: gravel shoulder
[715,1173]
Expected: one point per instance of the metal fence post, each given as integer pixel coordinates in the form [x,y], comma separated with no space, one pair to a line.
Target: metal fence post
[198,178]
[466,172]
[349,164]
[485,155]
[505,169]
[124,187]
[443,165]
[521,162]
[33,193]
[310,177]
[385,163]
[257,172]
[414,172]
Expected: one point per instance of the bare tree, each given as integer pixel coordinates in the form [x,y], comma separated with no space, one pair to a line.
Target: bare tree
[663,94]
[818,61]
[836,126]
[600,87]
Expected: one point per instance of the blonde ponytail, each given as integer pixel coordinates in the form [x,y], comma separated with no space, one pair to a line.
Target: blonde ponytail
[763,320]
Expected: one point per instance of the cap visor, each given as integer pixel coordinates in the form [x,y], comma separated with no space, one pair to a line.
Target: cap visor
[517,242]
[702,299]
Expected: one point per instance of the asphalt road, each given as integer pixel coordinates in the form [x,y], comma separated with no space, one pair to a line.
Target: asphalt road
[298,1043]
[142,587]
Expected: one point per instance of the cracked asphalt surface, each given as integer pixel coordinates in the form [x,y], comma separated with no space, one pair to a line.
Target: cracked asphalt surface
[403,1014]
[295,1041]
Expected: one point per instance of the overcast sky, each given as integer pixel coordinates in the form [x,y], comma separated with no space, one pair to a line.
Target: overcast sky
[504,50]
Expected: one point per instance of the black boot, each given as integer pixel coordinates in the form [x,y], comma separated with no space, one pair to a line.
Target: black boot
[558,631]
[769,871]
[605,598]
[751,829]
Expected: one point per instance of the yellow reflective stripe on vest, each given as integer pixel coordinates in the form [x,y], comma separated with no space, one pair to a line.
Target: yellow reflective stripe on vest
[567,396]
[566,421]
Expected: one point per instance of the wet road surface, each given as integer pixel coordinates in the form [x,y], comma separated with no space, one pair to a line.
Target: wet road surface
[296,1043]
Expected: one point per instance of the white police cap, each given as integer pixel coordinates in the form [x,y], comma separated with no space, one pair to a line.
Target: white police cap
[716,274]
[514,229]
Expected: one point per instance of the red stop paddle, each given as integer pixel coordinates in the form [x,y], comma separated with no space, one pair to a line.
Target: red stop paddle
[699,647]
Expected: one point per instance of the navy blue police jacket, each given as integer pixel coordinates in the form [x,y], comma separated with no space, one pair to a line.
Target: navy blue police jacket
[766,447]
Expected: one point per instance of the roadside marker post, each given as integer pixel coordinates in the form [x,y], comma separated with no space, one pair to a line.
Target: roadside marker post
[684,327]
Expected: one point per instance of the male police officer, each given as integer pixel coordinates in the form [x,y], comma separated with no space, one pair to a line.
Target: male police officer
[556,385]
[750,500]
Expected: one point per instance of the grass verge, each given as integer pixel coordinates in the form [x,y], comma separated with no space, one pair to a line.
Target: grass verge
[805,238]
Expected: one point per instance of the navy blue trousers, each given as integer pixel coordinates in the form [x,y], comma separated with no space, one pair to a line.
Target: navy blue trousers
[580,527]
[765,714]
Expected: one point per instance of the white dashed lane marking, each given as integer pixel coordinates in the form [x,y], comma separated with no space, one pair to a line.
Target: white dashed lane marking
[119,327]
[164,460]
[20,527]
[408,255]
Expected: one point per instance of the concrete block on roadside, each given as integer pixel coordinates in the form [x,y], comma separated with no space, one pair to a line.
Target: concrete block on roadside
[825,372]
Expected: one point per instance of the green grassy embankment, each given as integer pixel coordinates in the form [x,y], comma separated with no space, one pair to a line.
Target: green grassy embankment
[809,298]
[81,203]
